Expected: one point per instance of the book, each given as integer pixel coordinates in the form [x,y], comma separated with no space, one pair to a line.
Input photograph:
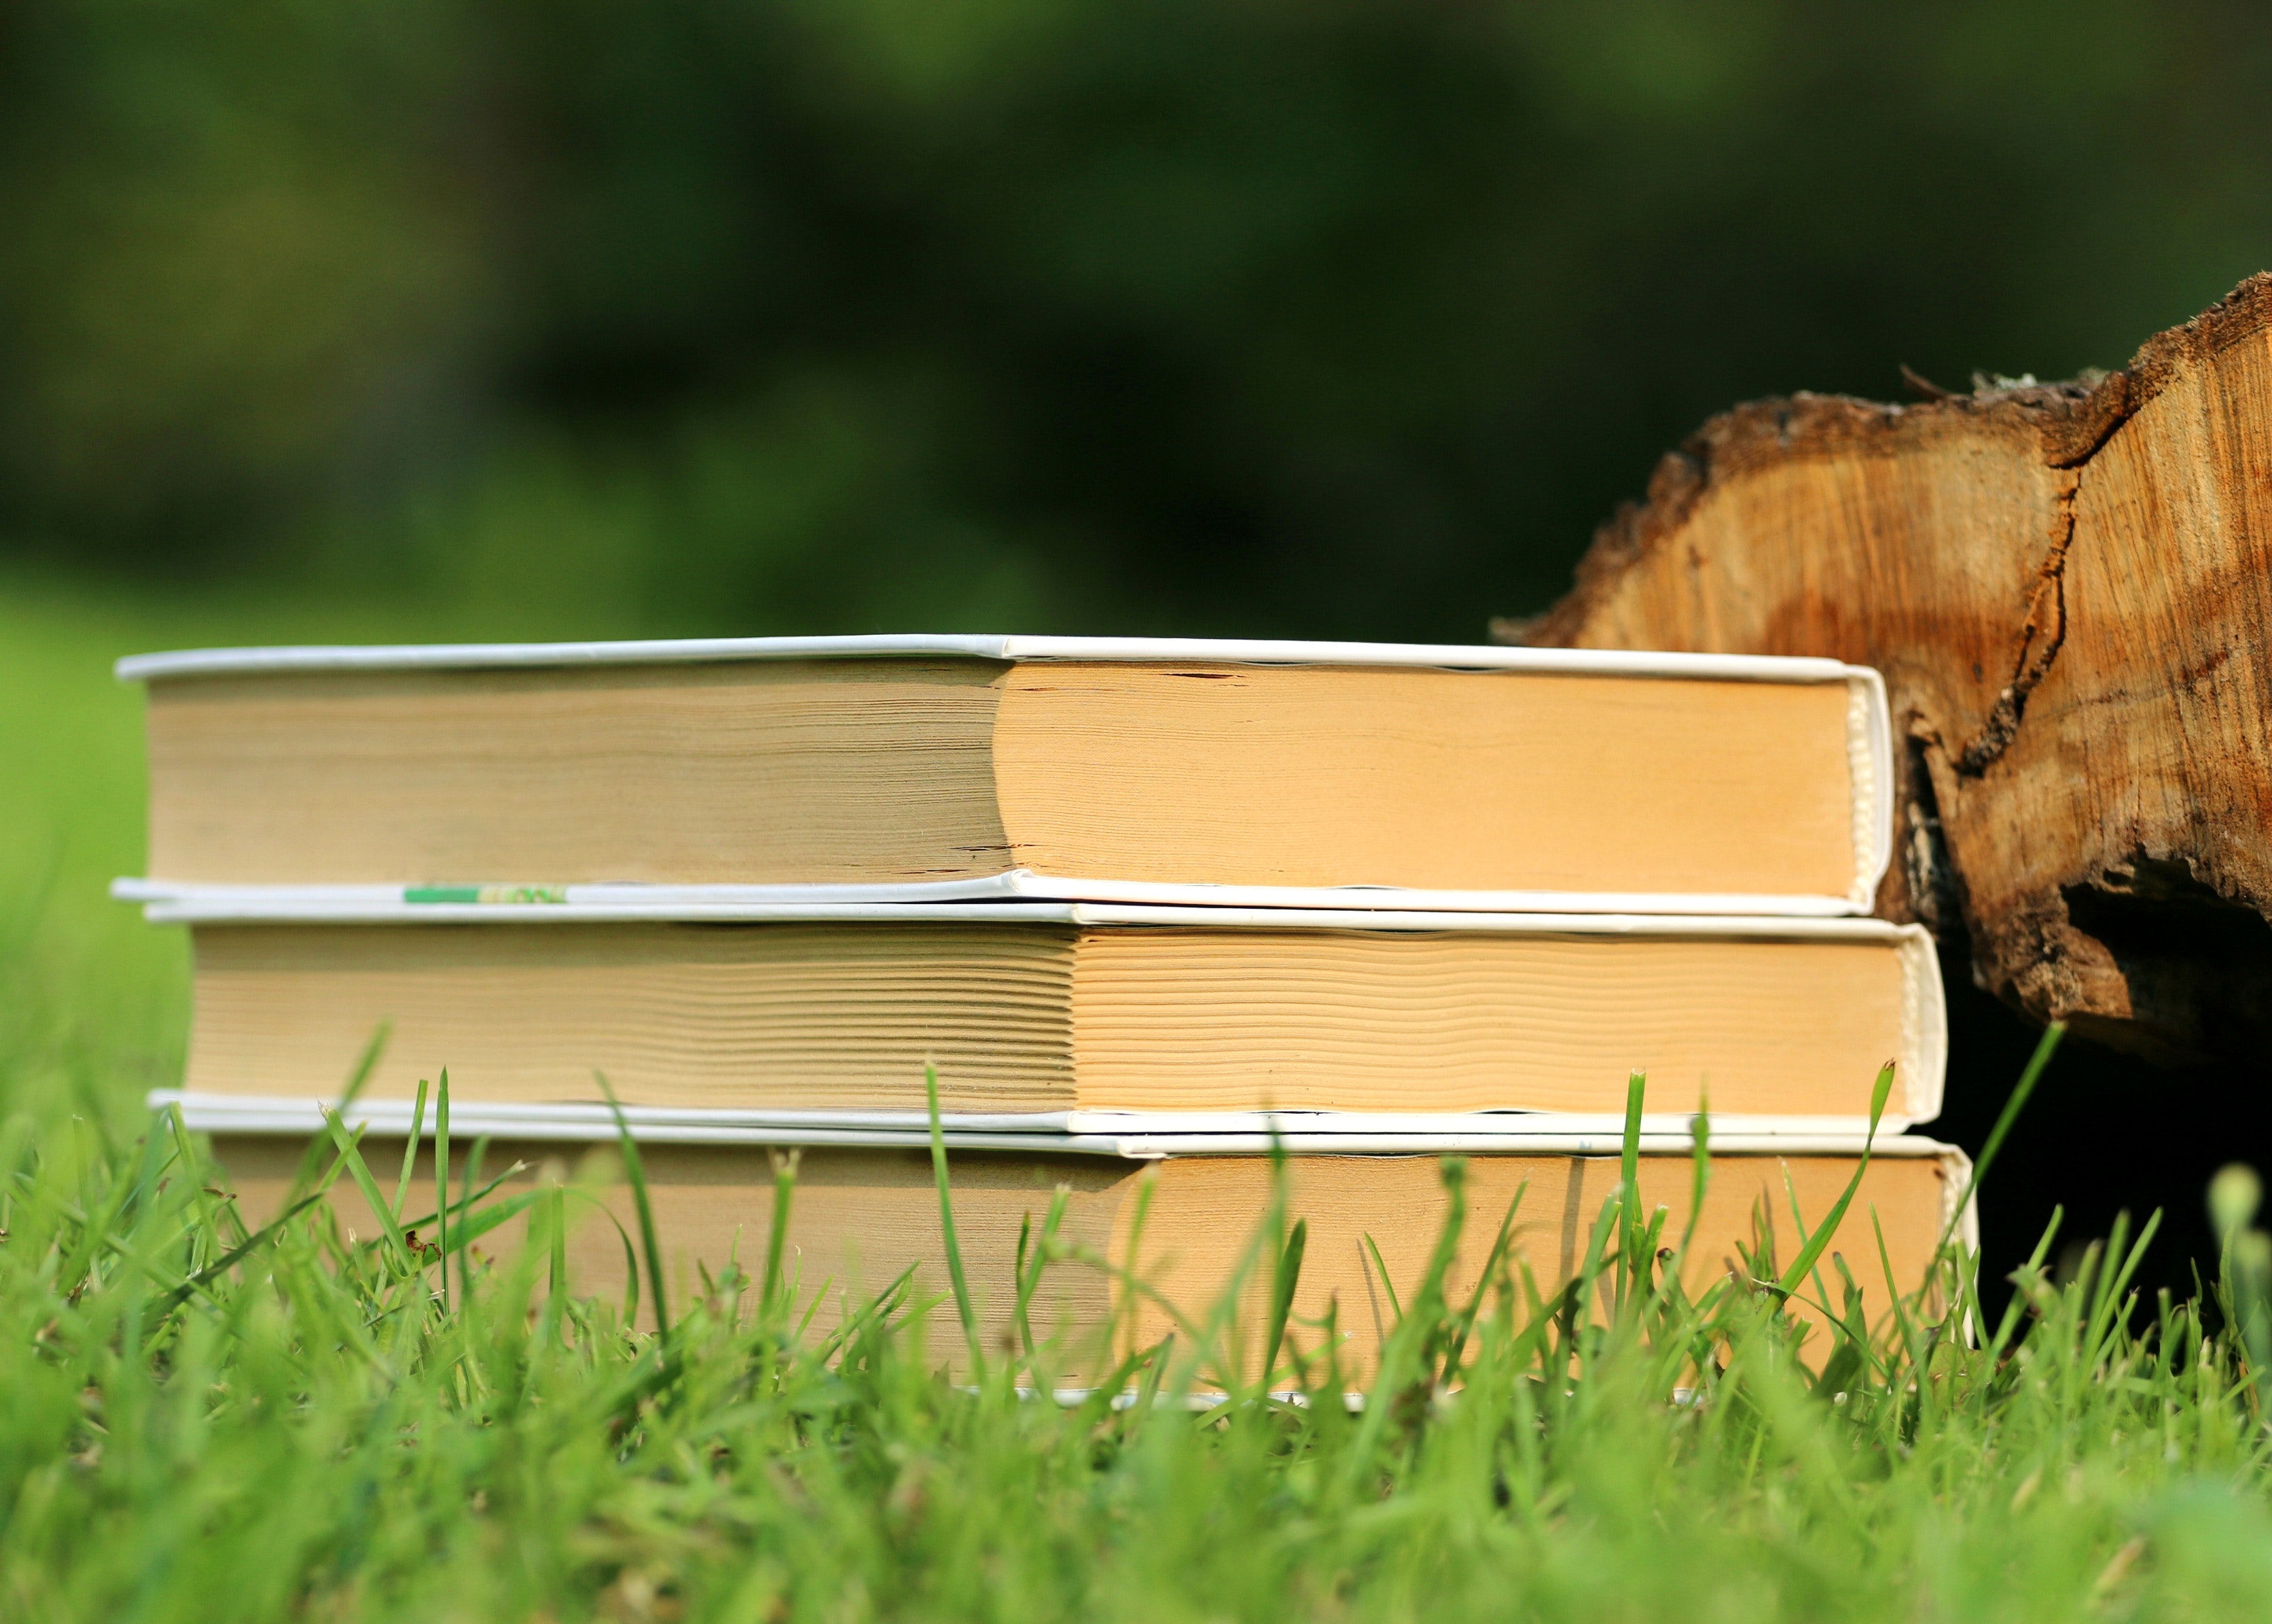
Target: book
[1050,1013]
[1105,769]
[863,1212]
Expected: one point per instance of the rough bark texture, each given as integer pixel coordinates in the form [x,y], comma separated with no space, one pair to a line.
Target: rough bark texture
[2069,590]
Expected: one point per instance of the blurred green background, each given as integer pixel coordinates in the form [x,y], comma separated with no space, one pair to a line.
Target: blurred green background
[1342,318]
[1329,318]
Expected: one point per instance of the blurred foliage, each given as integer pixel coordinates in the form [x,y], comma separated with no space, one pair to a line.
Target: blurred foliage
[1325,316]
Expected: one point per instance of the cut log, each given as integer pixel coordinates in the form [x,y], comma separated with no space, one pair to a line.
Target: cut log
[2069,590]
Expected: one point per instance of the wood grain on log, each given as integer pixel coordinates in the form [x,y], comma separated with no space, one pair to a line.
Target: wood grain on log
[2069,590]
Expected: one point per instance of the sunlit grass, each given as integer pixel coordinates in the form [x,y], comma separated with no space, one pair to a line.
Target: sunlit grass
[201,1424]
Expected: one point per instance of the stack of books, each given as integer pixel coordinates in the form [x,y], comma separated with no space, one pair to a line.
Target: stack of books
[1145,910]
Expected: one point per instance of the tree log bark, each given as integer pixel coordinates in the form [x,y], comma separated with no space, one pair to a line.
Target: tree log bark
[2069,590]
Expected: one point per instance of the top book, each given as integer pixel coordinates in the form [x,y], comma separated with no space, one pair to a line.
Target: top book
[1104,769]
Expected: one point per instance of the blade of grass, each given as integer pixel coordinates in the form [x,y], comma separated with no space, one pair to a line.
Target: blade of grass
[1798,1228]
[1802,1265]
[777,1237]
[366,1064]
[1629,1186]
[441,1179]
[2017,1305]
[1395,1308]
[1400,1359]
[464,1234]
[473,1159]
[410,1150]
[962,1308]
[1464,1324]
[466,1204]
[635,1174]
[351,1153]
[556,1294]
[208,1229]
[2107,1314]
[1029,1281]
[1699,1135]
[1285,1276]
[2046,1046]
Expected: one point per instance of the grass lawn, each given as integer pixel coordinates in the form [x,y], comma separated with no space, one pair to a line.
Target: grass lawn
[310,1428]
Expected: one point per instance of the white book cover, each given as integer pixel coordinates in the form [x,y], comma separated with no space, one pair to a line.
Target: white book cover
[1869,751]
[1138,1135]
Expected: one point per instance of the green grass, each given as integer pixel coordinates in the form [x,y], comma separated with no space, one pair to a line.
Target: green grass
[191,1427]
[201,1424]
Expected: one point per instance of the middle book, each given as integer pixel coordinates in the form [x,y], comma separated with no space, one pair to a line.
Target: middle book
[1048,1009]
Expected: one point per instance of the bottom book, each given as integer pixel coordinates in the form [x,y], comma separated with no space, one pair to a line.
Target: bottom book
[1178,1211]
